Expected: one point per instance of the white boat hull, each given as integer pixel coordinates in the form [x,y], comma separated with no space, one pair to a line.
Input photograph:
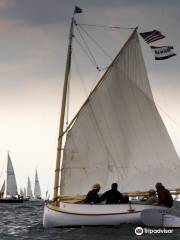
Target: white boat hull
[68,214]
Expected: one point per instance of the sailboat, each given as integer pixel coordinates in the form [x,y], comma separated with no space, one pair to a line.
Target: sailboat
[37,190]
[116,136]
[25,198]
[21,192]
[29,190]
[24,192]
[11,186]
[2,190]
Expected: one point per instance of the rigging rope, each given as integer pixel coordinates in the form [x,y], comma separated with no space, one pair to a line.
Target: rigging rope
[105,26]
[88,49]
[84,50]
[92,39]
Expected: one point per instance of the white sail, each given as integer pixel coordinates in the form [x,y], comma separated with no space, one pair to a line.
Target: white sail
[24,193]
[29,190]
[21,192]
[37,190]
[2,188]
[118,135]
[11,188]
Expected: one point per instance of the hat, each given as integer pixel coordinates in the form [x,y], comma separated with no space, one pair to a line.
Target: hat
[151,191]
[96,186]
[158,185]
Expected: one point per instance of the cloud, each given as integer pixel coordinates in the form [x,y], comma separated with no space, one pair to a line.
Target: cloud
[41,12]
[5,4]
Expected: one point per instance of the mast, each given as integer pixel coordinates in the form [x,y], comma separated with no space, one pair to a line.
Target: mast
[63,106]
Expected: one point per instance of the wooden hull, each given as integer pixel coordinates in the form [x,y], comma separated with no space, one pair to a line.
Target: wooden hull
[10,200]
[68,214]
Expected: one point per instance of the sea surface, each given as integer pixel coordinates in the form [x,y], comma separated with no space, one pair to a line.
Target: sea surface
[24,221]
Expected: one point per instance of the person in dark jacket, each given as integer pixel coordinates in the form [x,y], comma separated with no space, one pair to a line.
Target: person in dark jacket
[92,196]
[164,196]
[112,196]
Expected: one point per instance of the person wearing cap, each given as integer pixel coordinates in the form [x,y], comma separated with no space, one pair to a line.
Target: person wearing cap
[113,196]
[92,196]
[164,196]
[152,199]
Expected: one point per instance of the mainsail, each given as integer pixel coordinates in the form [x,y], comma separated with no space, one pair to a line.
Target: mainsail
[29,190]
[118,135]
[11,188]
[37,190]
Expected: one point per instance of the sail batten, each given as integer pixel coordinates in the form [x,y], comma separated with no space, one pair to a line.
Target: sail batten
[118,135]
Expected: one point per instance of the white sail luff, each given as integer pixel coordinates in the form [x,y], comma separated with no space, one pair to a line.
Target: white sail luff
[11,188]
[118,135]
[37,190]
[29,190]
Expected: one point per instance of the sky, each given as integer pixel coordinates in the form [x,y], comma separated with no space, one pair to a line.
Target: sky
[33,46]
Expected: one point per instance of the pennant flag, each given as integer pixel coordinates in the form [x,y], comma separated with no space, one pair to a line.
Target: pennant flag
[163,52]
[77,10]
[152,36]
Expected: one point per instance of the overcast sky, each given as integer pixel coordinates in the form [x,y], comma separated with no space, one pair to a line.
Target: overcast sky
[33,44]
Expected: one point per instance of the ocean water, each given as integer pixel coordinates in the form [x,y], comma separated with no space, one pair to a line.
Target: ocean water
[23,221]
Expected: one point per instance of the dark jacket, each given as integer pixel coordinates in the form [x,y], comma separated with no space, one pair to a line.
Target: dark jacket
[164,197]
[92,197]
[112,197]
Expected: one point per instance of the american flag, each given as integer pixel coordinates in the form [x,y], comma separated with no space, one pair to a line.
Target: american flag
[152,36]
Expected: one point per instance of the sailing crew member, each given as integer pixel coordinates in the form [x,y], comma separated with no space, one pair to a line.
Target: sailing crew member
[152,199]
[164,196]
[113,196]
[92,196]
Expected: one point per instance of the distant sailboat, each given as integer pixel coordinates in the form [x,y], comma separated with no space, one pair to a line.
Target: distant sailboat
[24,193]
[21,192]
[29,190]
[37,189]
[25,198]
[11,185]
[2,190]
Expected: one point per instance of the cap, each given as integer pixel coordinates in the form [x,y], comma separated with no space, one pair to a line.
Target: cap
[96,186]
[158,184]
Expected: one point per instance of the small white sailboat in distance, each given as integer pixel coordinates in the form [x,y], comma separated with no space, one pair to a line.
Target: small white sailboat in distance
[116,136]
[37,189]
[29,190]
[25,198]
[24,192]
[21,192]
[11,185]
[2,190]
